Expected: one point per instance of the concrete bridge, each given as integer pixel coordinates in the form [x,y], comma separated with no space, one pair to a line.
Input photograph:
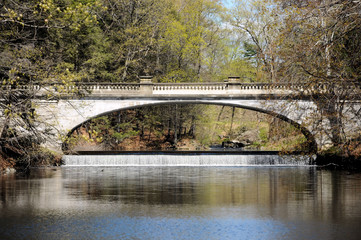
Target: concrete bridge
[279,100]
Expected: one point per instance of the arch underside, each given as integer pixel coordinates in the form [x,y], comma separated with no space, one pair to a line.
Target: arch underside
[267,107]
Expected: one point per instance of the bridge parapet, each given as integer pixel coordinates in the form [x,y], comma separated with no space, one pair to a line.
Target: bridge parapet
[166,89]
[109,86]
[189,88]
[146,88]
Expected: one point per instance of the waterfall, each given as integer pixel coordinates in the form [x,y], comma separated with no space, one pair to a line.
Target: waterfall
[174,159]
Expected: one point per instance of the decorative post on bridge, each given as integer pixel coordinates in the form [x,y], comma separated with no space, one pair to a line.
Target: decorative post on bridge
[146,85]
[234,84]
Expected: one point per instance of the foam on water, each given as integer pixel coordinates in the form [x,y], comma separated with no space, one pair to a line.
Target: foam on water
[204,159]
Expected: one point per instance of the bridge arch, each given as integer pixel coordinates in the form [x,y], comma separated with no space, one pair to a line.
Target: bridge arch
[255,105]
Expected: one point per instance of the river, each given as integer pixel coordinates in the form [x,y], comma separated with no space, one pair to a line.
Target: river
[202,202]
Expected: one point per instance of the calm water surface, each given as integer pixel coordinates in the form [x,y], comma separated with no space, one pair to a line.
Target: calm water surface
[181,203]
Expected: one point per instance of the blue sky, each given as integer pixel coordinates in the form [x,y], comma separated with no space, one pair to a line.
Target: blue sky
[228,3]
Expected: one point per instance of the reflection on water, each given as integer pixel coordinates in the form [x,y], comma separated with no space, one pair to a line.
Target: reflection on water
[181,203]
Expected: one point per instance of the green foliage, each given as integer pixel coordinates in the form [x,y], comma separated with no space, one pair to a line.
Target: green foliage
[250,50]
[120,136]
[98,40]
[263,134]
[31,53]
[69,41]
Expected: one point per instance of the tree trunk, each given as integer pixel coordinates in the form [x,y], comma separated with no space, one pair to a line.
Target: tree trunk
[119,120]
[175,126]
[230,129]
[169,128]
[220,113]
[334,117]
[142,132]
[192,128]
[335,130]
[4,129]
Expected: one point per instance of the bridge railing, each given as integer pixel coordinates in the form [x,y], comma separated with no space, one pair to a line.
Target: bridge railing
[107,86]
[157,89]
[166,89]
[189,87]
[230,87]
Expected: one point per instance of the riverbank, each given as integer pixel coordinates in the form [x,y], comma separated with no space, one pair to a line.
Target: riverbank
[346,157]
[337,162]
[20,162]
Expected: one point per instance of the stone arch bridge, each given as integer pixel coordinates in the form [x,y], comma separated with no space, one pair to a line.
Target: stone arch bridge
[280,100]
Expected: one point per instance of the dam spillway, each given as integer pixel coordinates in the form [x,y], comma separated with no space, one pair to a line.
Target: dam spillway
[186,159]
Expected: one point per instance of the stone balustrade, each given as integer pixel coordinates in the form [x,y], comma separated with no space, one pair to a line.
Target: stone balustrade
[185,89]
[189,86]
[108,86]
[146,88]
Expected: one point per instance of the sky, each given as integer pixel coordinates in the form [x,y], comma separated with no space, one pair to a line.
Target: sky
[228,3]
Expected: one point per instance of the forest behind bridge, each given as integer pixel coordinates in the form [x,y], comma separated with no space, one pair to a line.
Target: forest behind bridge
[64,42]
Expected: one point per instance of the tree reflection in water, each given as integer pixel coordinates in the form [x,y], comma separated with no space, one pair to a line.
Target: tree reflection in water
[296,202]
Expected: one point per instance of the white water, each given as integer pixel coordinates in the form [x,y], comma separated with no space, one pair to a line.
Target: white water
[164,159]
